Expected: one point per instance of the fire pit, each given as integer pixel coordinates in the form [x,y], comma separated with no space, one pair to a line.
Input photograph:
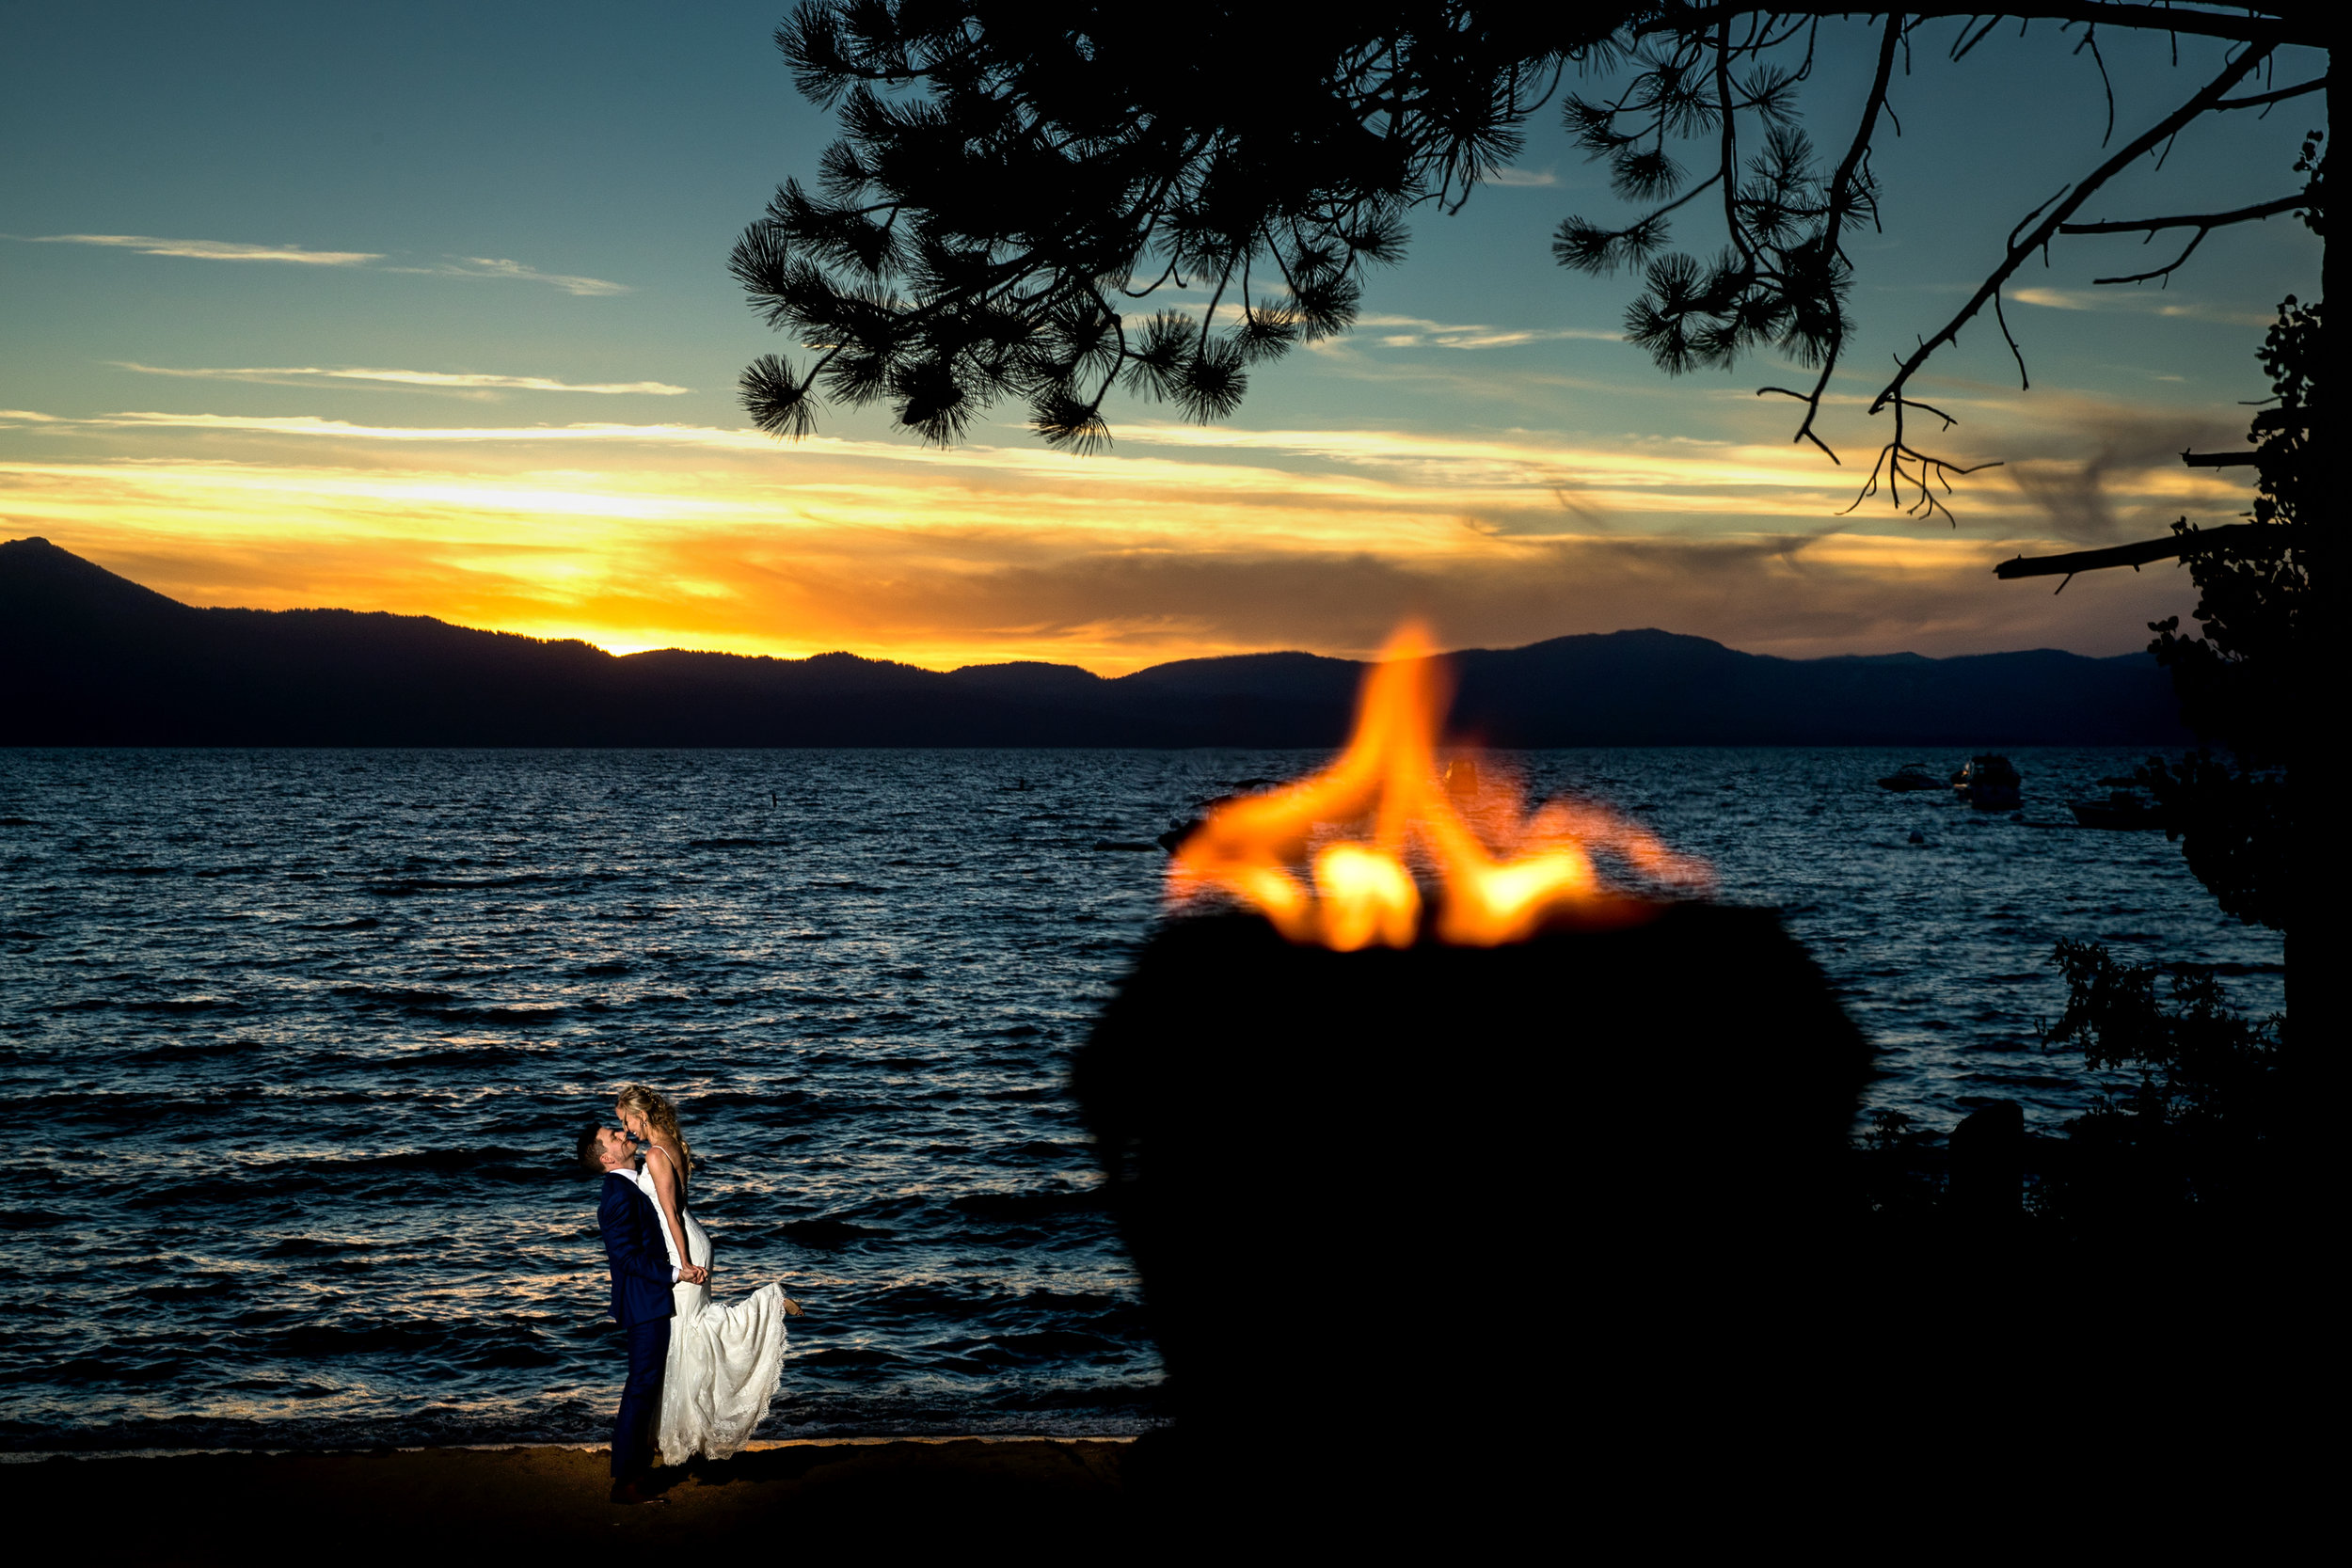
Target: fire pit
[1403,1160]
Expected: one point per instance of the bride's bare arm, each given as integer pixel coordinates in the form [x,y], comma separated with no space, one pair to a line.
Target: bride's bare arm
[665,1189]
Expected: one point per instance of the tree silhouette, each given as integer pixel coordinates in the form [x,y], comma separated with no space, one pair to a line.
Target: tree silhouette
[2251,679]
[1014,182]
[2195,1136]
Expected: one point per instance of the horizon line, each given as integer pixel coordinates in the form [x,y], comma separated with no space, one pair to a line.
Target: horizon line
[627,651]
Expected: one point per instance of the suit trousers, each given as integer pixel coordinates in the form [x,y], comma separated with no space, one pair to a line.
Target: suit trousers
[641,1398]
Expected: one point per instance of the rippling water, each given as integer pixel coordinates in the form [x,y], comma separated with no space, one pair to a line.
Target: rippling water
[297,1041]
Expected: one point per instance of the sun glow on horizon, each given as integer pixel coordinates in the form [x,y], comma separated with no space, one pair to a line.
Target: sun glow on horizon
[1182,542]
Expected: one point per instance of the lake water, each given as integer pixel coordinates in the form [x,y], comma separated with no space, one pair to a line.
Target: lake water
[297,1042]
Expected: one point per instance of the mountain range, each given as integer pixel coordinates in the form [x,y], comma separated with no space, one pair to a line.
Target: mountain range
[90,659]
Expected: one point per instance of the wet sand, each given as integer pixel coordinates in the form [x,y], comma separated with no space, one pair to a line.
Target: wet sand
[443,1505]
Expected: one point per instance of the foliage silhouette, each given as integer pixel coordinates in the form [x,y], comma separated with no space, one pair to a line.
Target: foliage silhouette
[2252,679]
[2195,1137]
[1899,1175]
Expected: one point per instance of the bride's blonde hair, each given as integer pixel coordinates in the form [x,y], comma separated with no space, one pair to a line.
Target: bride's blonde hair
[659,1115]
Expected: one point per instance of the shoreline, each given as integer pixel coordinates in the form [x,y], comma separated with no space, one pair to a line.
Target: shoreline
[244,1507]
[759,1445]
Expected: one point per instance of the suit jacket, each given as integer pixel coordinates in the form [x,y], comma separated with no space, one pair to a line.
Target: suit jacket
[633,1241]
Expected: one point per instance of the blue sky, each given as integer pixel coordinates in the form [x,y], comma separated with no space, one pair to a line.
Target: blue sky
[511,401]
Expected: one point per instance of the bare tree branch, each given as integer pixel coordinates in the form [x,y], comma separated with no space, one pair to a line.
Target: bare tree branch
[2024,381]
[1840,200]
[2195,220]
[2064,207]
[2205,226]
[1927,470]
[2233,539]
[2263,99]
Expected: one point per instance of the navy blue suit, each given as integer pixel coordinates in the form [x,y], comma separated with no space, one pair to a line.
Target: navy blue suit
[643,1306]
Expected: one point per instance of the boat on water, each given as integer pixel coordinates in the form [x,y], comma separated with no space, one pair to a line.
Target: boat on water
[1911,776]
[1988,783]
[1178,832]
[2121,809]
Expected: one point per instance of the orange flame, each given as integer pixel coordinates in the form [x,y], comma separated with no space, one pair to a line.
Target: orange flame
[1524,874]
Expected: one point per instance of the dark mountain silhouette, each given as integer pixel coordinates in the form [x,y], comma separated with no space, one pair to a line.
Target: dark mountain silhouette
[89,659]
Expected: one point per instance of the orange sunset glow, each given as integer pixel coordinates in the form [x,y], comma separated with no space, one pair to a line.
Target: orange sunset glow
[1181,542]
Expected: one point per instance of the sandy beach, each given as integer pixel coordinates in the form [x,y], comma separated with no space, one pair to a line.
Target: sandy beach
[456,1504]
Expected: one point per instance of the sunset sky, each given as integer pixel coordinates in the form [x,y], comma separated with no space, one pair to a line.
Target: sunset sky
[424,309]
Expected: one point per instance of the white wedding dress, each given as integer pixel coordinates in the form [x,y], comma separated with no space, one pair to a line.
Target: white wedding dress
[725,1362]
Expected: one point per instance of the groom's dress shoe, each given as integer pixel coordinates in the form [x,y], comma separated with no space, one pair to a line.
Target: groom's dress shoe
[630,1492]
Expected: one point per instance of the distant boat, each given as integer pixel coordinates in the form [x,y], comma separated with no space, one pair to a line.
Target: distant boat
[1911,776]
[1179,831]
[1988,783]
[1191,825]
[2122,809]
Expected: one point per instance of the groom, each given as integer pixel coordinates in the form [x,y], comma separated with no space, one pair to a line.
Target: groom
[642,1277]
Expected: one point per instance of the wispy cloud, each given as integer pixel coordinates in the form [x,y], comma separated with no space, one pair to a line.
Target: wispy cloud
[213,250]
[499,268]
[1379,490]
[304,375]
[1520,177]
[2151,302]
[311,425]
[1366,481]
[1419,332]
[493,267]
[1511,460]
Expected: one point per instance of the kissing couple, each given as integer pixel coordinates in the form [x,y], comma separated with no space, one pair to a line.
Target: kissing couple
[700,1376]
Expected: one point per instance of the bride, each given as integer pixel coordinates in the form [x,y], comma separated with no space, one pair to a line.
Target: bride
[725,1362]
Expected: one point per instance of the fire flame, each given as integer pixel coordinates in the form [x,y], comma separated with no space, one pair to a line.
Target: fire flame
[1499,881]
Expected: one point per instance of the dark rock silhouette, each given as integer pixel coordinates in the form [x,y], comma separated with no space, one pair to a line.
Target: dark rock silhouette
[1987,1176]
[89,659]
[1316,1157]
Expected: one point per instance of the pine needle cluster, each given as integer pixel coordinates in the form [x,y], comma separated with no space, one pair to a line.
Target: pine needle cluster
[1014,183]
